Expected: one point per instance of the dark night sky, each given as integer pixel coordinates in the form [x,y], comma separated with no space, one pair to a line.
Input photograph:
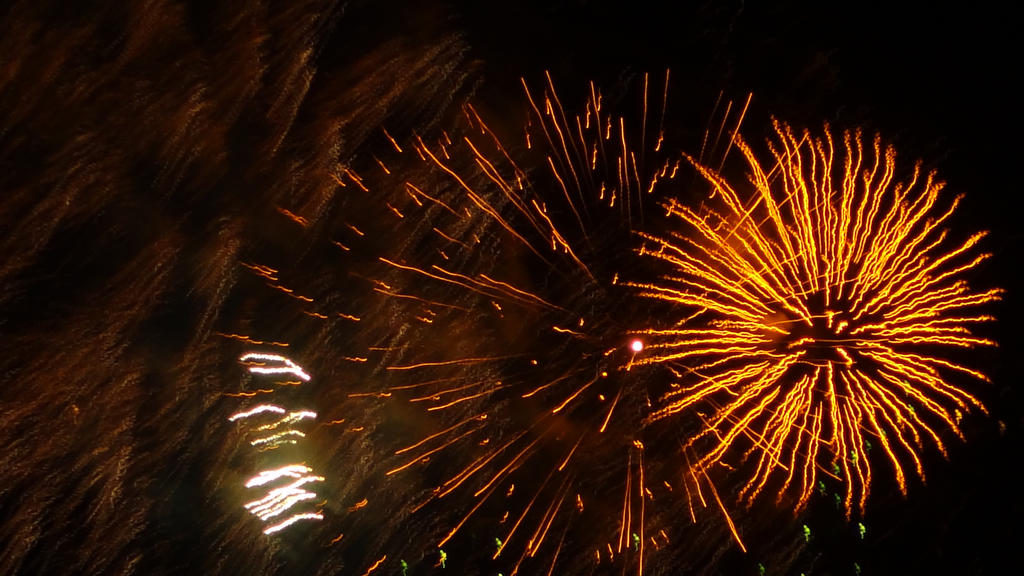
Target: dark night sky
[83,109]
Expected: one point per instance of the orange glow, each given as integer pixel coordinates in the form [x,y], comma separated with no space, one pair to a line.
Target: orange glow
[821,302]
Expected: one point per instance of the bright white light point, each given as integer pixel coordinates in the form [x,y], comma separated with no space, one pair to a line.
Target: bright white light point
[636,346]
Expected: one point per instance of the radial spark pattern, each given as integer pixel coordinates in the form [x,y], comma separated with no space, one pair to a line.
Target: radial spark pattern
[826,309]
[505,362]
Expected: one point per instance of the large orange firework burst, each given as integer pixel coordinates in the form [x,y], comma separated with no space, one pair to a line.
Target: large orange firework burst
[824,310]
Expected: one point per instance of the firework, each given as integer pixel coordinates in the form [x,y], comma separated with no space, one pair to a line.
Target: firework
[280,499]
[150,148]
[824,311]
[507,343]
[286,366]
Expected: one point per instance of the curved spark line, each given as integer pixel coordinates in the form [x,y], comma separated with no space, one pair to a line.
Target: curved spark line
[291,471]
[281,499]
[256,410]
[277,438]
[292,520]
[291,418]
[256,361]
[821,303]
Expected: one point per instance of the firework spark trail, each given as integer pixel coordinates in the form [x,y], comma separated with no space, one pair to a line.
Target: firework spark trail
[280,499]
[824,306]
[256,362]
[504,403]
[127,208]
